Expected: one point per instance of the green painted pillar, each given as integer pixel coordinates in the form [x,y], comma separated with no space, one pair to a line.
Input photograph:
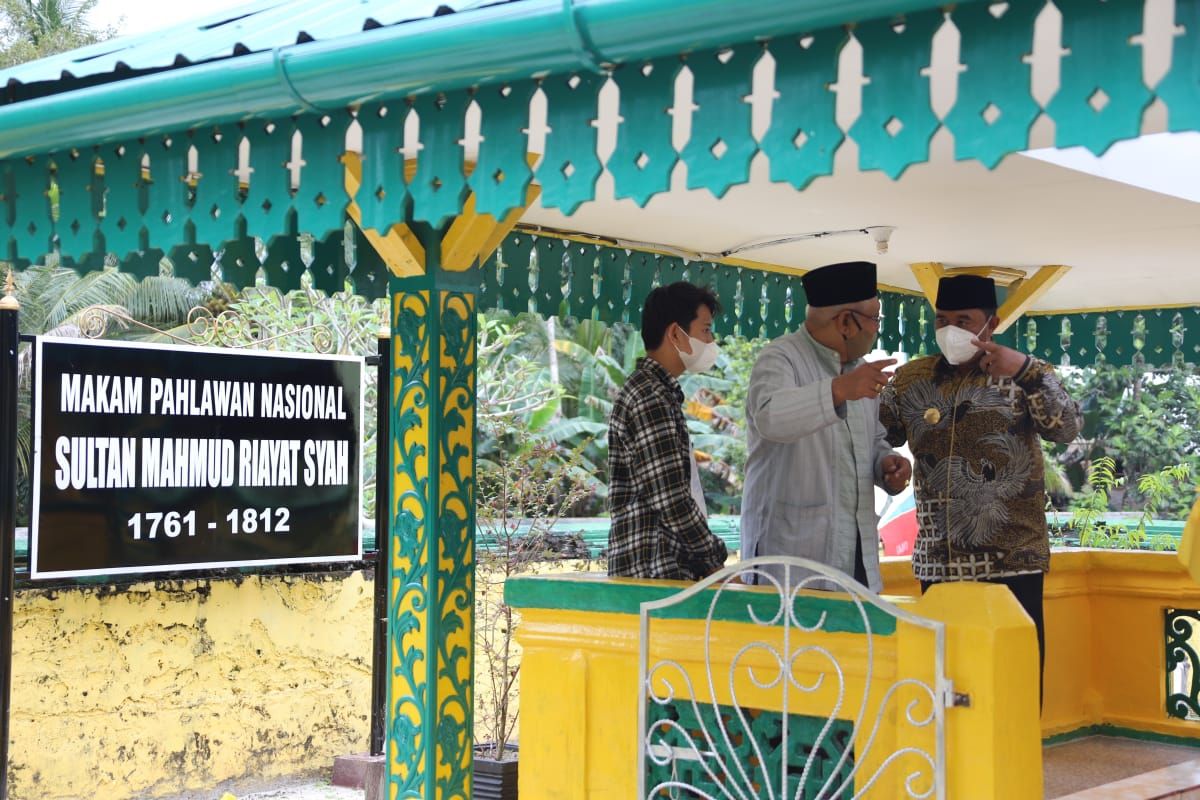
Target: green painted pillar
[432,571]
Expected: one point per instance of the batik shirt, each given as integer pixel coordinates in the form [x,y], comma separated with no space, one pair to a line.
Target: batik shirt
[658,530]
[977,464]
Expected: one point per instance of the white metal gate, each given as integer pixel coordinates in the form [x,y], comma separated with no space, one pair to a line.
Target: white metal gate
[690,748]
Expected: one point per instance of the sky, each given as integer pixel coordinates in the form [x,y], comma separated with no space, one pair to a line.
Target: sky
[1168,163]
[143,16]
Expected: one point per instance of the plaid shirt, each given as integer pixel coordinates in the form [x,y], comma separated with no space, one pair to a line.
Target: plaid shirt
[657,528]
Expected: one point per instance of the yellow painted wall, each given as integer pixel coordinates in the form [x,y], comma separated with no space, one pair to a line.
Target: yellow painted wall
[159,687]
[154,688]
[1105,640]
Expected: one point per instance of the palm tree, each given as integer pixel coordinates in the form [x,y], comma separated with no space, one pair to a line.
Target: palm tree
[55,301]
[32,29]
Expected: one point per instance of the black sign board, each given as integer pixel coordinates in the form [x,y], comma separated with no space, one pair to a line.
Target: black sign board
[151,458]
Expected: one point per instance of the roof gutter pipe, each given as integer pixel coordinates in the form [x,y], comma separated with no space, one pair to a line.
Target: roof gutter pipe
[511,41]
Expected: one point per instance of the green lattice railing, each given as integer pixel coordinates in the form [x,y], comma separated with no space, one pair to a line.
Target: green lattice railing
[680,725]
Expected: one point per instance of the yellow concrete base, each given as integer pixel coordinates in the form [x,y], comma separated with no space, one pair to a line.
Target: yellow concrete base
[1105,638]
[580,690]
[994,746]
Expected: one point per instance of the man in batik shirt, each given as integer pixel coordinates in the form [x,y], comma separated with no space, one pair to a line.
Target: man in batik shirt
[972,417]
[659,520]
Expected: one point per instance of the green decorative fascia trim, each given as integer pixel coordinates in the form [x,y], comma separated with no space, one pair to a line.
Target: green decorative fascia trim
[625,596]
[1122,733]
[1151,337]
[592,280]
[148,201]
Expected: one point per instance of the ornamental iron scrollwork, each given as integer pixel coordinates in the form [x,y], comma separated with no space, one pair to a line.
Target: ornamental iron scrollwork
[1183,663]
[787,717]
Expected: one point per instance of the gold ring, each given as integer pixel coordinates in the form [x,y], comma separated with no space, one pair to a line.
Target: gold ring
[879,387]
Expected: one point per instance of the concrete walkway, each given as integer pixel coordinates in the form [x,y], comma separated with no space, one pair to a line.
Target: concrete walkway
[280,789]
[307,791]
[1094,761]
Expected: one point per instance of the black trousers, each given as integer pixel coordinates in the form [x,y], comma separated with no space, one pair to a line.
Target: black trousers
[860,569]
[1028,591]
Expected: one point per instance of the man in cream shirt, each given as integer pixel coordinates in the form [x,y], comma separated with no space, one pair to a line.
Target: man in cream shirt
[816,448]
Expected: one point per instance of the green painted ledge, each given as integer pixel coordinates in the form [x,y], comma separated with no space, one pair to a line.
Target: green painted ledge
[1118,732]
[600,594]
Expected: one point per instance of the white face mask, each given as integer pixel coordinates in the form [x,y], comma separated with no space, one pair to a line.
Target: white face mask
[702,357]
[955,343]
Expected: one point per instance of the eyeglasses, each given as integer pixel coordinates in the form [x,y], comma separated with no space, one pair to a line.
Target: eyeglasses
[876,320]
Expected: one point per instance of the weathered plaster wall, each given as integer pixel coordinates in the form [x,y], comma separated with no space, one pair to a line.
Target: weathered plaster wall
[159,687]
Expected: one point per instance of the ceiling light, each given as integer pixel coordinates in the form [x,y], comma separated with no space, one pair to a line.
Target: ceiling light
[881,234]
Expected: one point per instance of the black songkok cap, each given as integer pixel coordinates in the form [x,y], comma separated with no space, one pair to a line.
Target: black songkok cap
[838,284]
[961,292]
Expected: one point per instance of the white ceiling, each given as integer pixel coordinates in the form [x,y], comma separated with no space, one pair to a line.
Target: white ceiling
[1123,223]
[1125,245]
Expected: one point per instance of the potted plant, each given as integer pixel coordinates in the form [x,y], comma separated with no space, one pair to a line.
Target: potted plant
[525,488]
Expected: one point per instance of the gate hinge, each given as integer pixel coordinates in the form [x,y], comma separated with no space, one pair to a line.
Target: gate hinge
[953,699]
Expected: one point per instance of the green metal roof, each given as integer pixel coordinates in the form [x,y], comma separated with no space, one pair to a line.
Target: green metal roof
[253,28]
[172,140]
[253,67]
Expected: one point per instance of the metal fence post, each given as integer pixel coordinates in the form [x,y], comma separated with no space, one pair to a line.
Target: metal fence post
[383,443]
[9,341]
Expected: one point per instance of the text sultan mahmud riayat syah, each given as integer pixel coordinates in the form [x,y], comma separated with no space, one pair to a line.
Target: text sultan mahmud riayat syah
[112,462]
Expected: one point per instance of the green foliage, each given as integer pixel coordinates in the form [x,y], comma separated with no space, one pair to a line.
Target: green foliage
[523,492]
[1163,543]
[1146,421]
[513,382]
[52,296]
[1160,490]
[1088,520]
[1058,482]
[722,477]
[557,379]
[306,320]
[33,29]
[56,301]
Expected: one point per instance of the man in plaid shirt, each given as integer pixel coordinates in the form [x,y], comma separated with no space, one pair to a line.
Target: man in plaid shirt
[659,527]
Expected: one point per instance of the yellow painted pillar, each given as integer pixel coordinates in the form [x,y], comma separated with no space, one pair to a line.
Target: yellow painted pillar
[431,593]
[994,746]
[1189,546]
[431,596]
